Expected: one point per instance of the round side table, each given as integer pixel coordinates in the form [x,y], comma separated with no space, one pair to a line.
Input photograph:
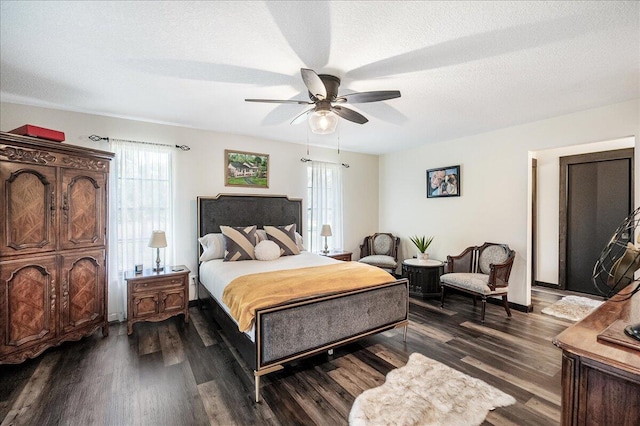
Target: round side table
[424,276]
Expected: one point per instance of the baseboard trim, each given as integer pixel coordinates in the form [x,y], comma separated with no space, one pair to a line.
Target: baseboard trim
[514,306]
[544,284]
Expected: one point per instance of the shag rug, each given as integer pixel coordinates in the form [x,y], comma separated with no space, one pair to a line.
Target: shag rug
[573,308]
[427,392]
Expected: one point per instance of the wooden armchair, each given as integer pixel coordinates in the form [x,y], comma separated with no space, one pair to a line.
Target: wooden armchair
[381,250]
[480,271]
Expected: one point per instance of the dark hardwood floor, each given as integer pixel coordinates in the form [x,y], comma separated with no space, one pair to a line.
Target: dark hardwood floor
[169,373]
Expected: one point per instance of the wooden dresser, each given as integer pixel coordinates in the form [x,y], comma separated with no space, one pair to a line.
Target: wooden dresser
[53,244]
[600,380]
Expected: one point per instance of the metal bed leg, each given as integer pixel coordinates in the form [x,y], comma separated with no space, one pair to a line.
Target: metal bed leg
[257,381]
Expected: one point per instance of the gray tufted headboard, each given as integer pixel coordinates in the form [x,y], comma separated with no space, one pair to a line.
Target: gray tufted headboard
[245,210]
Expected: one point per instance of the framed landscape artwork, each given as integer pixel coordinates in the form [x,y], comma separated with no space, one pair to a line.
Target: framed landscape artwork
[247,169]
[443,182]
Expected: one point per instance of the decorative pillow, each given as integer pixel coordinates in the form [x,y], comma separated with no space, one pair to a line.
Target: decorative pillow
[285,237]
[212,247]
[261,234]
[239,242]
[267,250]
[299,242]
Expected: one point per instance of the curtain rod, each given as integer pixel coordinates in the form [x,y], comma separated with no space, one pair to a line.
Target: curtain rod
[97,138]
[306,160]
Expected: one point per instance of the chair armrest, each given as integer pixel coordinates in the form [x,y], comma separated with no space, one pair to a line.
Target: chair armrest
[462,262]
[499,272]
[363,251]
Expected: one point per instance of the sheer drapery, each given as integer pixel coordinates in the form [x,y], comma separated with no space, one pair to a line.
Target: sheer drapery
[324,205]
[140,202]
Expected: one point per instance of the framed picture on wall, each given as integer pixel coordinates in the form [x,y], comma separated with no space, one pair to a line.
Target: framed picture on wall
[443,182]
[247,169]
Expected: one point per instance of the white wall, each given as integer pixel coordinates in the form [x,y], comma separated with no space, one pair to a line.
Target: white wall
[548,211]
[495,196]
[201,170]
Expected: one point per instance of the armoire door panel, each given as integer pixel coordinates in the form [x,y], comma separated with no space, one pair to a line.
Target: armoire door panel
[29,220]
[82,298]
[83,211]
[27,302]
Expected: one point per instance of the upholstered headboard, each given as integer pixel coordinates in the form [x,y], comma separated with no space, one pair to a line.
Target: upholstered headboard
[245,210]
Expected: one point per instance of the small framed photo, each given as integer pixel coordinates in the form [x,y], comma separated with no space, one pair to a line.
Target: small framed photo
[138,269]
[443,182]
[247,169]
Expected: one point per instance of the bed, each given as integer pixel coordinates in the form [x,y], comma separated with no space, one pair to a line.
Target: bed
[299,328]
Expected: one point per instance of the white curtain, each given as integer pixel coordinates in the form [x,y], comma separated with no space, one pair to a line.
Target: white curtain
[325,205]
[140,201]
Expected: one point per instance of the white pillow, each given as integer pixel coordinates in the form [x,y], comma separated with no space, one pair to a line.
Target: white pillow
[267,250]
[212,247]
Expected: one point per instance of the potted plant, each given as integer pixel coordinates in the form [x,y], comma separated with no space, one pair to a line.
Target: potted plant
[422,243]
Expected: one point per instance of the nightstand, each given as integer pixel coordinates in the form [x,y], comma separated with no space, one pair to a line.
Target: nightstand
[338,255]
[156,296]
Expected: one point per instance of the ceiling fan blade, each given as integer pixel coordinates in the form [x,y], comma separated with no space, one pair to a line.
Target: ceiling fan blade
[300,117]
[280,101]
[375,96]
[313,83]
[349,114]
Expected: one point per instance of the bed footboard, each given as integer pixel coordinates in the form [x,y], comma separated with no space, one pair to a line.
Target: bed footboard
[284,333]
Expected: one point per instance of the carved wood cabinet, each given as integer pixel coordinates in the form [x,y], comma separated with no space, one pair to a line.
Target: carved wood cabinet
[53,244]
[156,296]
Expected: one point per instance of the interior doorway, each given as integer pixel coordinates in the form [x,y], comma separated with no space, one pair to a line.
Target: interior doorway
[596,194]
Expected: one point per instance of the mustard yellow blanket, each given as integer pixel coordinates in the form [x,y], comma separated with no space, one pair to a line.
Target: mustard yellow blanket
[247,293]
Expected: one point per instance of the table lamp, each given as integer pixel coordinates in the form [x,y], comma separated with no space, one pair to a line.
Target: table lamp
[325,232]
[158,240]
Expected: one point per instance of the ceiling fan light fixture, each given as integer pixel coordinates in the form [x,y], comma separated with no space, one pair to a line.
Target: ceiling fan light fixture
[323,122]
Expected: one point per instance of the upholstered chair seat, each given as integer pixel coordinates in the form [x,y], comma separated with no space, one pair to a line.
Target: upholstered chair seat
[477,283]
[380,260]
[380,250]
[480,271]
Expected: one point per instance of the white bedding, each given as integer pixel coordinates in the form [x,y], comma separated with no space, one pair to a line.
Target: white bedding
[215,275]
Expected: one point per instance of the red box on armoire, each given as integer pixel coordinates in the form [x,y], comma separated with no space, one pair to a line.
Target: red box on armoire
[39,132]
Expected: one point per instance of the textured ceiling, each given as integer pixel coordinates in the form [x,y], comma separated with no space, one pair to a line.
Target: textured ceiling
[463,67]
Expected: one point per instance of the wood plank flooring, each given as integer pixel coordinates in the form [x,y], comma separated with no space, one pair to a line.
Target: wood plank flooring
[169,373]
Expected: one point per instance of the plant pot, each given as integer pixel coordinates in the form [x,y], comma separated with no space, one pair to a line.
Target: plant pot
[422,256]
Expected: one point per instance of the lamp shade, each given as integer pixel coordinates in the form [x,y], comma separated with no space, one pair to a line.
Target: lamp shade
[158,239]
[323,122]
[326,231]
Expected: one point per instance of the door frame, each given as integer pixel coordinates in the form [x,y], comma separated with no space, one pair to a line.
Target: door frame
[565,162]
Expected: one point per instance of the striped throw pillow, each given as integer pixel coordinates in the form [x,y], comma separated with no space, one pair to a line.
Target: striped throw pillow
[285,237]
[239,242]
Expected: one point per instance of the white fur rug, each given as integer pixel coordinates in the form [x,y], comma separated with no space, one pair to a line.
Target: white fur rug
[427,392]
[573,308]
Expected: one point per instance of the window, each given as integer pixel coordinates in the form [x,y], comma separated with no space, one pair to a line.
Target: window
[324,195]
[140,202]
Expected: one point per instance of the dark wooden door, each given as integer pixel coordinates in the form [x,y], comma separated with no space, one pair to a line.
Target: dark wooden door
[83,214]
[28,212]
[82,291]
[27,304]
[598,198]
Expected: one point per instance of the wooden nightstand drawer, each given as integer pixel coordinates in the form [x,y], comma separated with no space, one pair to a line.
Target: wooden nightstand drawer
[343,256]
[156,283]
[338,255]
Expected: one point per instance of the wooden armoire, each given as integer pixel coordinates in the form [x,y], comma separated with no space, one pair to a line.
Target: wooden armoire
[53,244]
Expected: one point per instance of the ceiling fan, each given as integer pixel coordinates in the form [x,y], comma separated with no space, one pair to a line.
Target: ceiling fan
[323,92]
